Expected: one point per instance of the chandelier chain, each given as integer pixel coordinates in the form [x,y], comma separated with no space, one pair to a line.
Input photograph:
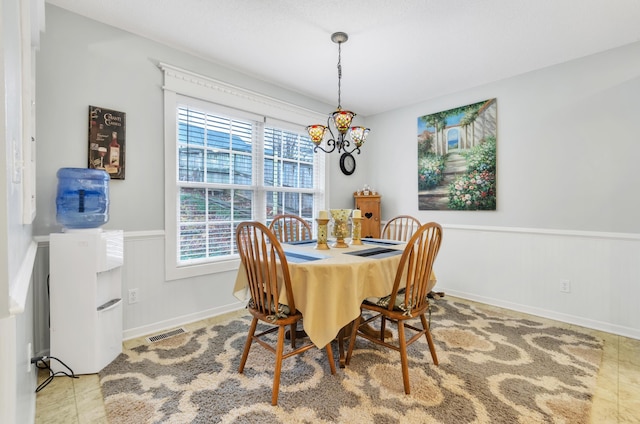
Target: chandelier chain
[339,74]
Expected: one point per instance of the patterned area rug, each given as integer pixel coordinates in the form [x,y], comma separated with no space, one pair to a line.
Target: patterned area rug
[494,368]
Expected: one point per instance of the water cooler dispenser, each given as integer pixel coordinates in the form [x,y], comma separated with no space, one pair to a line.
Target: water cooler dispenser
[85,280]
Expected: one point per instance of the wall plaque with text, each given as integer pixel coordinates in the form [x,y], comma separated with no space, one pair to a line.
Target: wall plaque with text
[107,141]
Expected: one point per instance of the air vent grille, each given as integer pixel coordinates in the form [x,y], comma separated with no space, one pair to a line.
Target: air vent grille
[166,335]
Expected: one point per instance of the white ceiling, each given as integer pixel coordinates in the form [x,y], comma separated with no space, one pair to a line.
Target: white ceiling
[399,52]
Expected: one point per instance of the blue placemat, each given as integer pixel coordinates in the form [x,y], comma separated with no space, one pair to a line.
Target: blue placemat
[383,242]
[376,252]
[297,257]
[301,242]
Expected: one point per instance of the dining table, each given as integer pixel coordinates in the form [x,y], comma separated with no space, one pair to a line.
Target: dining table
[330,285]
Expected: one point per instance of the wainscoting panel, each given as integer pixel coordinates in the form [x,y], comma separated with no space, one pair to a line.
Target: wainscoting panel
[161,304]
[524,269]
[519,269]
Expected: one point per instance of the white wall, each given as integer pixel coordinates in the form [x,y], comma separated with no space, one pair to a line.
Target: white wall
[553,138]
[567,158]
[566,151]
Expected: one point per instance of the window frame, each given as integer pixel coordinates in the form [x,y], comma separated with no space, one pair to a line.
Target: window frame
[180,87]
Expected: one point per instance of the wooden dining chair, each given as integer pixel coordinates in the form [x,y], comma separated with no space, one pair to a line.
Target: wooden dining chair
[400,228]
[289,227]
[268,279]
[413,275]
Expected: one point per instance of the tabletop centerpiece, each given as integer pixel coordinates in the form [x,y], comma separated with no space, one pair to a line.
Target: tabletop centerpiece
[340,226]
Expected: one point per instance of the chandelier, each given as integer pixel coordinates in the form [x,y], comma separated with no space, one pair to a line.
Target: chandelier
[341,119]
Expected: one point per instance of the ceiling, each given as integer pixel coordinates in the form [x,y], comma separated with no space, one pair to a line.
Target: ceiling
[399,52]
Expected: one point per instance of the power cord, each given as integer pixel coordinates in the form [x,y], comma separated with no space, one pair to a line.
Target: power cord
[41,363]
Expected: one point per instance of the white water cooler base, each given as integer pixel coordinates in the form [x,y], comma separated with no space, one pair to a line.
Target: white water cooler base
[85,300]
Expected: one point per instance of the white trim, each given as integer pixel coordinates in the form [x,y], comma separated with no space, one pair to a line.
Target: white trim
[170,195]
[27,163]
[202,87]
[216,109]
[156,327]
[154,234]
[545,313]
[140,235]
[20,288]
[565,233]
[43,241]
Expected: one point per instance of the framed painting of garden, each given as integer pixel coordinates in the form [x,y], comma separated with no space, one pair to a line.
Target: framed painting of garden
[457,158]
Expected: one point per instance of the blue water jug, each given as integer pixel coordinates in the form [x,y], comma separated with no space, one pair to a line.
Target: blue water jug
[83,197]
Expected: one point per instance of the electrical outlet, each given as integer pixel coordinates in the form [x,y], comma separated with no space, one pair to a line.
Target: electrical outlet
[133,296]
[565,286]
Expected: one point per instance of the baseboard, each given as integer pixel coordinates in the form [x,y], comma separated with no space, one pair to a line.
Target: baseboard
[545,313]
[156,327]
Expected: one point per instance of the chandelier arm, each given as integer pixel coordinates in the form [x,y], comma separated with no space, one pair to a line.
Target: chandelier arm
[331,146]
[332,141]
[355,149]
[344,143]
[329,122]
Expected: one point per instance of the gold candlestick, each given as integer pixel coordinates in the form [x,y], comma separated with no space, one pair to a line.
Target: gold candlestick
[356,236]
[321,244]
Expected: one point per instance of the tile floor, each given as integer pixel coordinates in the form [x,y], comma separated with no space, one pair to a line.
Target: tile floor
[617,397]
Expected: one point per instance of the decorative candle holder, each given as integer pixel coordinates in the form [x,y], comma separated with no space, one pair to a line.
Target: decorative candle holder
[356,236]
[340,226]
[321,244]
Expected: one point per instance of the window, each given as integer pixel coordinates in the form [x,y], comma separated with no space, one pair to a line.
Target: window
[230,165]
[289,170]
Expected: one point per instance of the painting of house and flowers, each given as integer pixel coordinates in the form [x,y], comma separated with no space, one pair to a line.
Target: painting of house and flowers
[457,158]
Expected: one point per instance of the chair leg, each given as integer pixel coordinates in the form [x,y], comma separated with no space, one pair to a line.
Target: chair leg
[293,331]
[332,363]
[427,334]
[247,345]
[352,339]
[276,374]
[383,326]
[403,357]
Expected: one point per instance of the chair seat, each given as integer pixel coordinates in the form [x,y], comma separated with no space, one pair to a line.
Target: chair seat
[382,304]
[399,303]
[282,311]
[275,319]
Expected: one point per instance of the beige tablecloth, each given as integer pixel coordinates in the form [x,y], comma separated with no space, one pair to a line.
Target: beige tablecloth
[328,292]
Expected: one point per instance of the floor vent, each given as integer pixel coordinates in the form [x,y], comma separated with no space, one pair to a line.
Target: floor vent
[158,337]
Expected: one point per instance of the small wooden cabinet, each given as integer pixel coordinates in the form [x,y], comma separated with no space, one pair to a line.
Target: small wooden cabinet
[370,208]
